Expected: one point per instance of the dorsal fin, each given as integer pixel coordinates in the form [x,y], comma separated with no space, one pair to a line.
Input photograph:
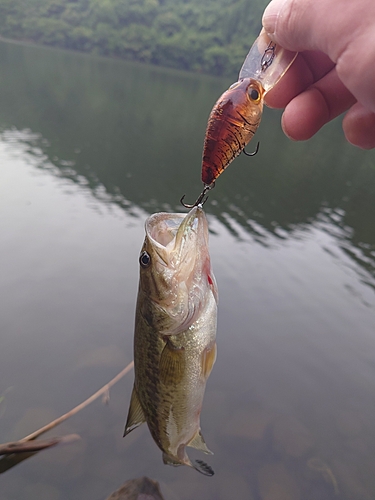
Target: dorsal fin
[136,416]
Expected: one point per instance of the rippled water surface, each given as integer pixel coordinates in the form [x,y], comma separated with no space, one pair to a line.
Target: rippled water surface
[88,149]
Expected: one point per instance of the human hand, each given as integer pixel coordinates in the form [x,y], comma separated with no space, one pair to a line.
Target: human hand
[334,71]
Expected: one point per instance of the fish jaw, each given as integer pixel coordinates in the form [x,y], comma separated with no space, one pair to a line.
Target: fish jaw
[180,274]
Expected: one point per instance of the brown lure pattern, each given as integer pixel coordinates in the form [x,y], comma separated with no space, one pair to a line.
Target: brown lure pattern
[231,125]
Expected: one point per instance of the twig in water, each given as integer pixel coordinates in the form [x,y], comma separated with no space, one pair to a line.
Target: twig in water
[27,447]
[17,451]
[80,407]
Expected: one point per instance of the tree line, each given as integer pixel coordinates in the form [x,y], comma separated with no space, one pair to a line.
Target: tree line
[208,36]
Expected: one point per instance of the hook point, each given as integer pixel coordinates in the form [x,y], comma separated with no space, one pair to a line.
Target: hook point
[253,153]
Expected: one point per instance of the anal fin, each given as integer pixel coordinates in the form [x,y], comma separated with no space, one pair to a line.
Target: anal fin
[199,443]
[136,416]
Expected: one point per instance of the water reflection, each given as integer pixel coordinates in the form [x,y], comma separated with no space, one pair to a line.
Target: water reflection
[100,124]
[89,147]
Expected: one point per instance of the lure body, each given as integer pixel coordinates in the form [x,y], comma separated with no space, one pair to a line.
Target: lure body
[235,117]
[231,125]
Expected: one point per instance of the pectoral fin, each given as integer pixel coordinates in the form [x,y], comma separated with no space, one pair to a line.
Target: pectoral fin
[199,443]
[136,416]
[172,364]
[208,359]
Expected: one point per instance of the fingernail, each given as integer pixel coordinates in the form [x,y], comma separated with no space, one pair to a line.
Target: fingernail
[271,15]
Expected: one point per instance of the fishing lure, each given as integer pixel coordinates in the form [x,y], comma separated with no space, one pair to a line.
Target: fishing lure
[236,115]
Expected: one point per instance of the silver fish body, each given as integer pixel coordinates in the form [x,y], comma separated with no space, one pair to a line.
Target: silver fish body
[175,334]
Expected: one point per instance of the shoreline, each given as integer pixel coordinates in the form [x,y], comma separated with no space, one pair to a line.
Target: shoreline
[185,72]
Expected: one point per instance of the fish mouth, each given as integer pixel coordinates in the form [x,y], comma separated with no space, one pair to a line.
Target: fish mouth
[178,238]
[191,235]
[180,270]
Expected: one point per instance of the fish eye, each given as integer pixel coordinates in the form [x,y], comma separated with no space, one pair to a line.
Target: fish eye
[253,94]
[144,259]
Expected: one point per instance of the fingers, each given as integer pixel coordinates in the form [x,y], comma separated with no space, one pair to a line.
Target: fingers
[313,108]
[334,70]
[306,70]
[341,29]
[359,127]
[356,67]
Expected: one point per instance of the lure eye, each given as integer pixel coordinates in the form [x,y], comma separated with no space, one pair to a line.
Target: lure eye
[144,259]
[254,94]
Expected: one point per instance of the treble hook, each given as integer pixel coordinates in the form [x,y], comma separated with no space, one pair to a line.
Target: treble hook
[200,200]
[253,153]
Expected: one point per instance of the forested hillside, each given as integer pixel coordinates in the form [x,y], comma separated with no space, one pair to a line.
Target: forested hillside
[211,36]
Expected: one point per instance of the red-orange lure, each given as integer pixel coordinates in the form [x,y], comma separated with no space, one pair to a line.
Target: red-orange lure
[231,125]
[236,115]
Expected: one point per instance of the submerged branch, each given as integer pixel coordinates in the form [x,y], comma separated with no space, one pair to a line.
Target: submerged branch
[104,390]
[27,447]
[17,451]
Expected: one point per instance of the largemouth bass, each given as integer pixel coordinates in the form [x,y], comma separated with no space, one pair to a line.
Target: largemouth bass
[175,334]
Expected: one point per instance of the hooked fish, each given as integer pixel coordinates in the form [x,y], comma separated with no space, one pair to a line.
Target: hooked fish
[175,334]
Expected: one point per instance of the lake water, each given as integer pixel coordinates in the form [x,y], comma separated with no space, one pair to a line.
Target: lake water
[89,148]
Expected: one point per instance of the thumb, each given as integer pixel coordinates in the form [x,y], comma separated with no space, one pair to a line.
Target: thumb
[323,25]
[341,29]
